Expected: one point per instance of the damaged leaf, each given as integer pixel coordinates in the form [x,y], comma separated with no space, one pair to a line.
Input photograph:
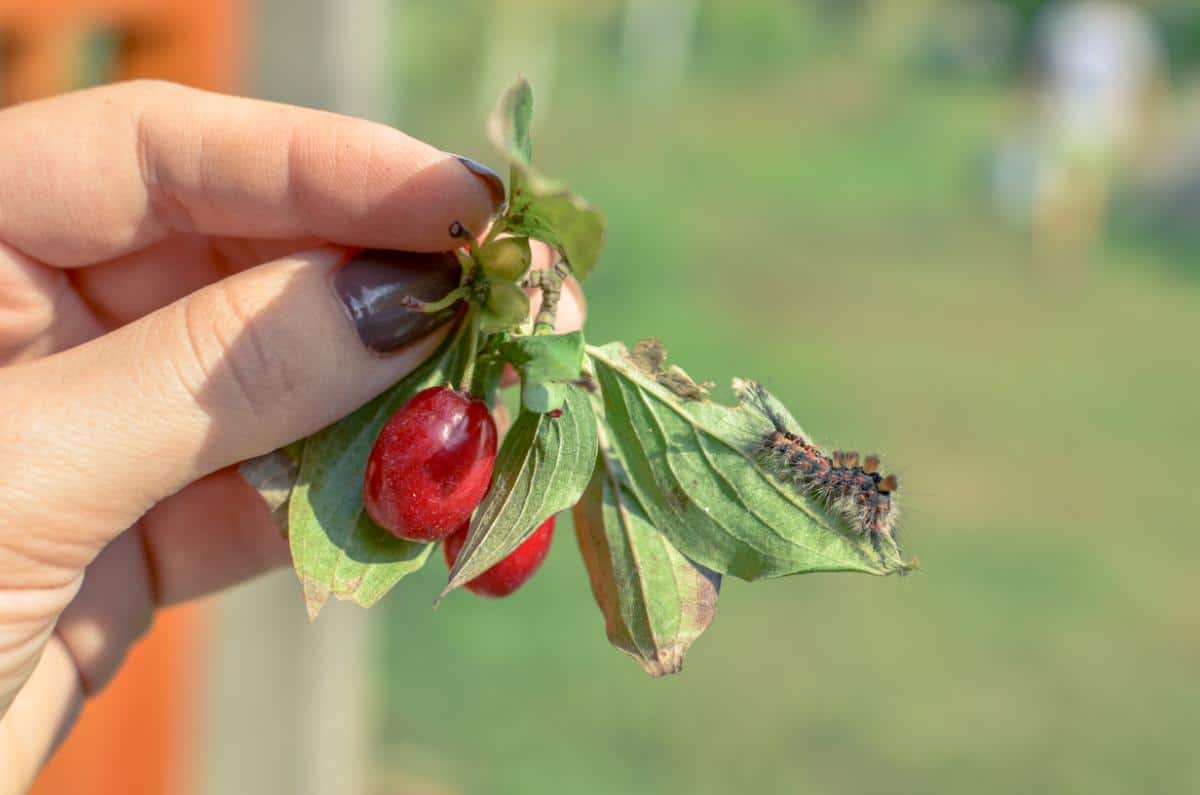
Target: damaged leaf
[650,356]
[694,467]
[655,601]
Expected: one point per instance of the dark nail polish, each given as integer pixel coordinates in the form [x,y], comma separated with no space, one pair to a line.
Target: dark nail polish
[372,286]
[490,178]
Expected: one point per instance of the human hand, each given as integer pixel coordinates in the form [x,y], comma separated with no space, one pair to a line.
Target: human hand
[145,349]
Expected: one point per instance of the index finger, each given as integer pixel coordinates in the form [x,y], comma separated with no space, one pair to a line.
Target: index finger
[99,173]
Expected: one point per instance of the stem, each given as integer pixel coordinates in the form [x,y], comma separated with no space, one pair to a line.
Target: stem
[449,299]
[468,373]
[467,263]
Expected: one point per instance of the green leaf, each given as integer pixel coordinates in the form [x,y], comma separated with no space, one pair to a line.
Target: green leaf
[693,466]
[543,467]
[546,363]
[273,475]
[507,307]
[559,218]
[540,208]
[336,549]
[508,126]
[655,601]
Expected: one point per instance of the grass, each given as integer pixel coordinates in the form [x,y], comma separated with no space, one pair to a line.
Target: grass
[821,229]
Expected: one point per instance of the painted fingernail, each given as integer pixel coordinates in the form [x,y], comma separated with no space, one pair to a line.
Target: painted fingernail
[490,178]
[373,285]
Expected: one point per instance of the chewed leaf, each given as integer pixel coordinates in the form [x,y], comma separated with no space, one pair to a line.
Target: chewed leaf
[540,208]
[655,601]
[651,357]
[694,467]
[336,549]
[543,466]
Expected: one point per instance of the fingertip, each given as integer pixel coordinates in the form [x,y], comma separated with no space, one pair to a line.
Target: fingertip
[417,211]
[415,193]
[337,178]
[488,178]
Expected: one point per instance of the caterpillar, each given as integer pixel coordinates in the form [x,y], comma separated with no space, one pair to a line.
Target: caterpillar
[854,491]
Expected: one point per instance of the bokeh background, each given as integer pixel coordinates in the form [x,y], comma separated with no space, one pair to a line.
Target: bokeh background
[964,233]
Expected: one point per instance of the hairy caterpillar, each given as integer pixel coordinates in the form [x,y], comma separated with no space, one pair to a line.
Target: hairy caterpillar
[855,492]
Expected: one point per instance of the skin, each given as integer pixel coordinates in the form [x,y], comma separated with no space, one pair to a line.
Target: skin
[165,312]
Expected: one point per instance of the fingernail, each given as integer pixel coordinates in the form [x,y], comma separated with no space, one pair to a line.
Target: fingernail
[372,286]
[490,178]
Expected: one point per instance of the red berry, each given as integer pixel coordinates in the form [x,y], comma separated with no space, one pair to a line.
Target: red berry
[511,573]
[431,465]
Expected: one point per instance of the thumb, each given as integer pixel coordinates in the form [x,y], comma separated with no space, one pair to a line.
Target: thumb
[107,429]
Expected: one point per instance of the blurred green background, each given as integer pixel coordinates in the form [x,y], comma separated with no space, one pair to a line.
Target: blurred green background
[802,197]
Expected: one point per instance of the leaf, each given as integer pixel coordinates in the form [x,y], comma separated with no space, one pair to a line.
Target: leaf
[273,475]
[543,467]
[693,466]
[336,549]
[559,218]
[655,601]
[508,126]
[546,363]
[538,207]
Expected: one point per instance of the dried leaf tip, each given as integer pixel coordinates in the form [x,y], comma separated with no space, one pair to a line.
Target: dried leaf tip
[650,357]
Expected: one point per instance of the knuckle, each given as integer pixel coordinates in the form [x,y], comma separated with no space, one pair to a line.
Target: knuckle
[142,89]
[236,359]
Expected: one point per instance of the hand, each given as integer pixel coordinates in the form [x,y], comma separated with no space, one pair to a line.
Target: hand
[146,349]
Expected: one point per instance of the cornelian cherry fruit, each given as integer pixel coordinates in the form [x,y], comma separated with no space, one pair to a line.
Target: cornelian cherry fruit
[513,571]
[431,465]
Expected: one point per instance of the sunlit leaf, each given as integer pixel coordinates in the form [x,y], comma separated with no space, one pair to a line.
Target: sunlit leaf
[336,549]
[546,364]
[540,208]
[542,468]
[694,468]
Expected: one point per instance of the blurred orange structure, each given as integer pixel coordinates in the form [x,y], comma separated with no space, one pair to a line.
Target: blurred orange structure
[138,736]
[198,42]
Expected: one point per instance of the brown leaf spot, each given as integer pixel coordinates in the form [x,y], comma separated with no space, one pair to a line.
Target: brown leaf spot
[678,499]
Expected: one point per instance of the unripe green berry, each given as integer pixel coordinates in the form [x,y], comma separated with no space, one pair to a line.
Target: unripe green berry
[506,259]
